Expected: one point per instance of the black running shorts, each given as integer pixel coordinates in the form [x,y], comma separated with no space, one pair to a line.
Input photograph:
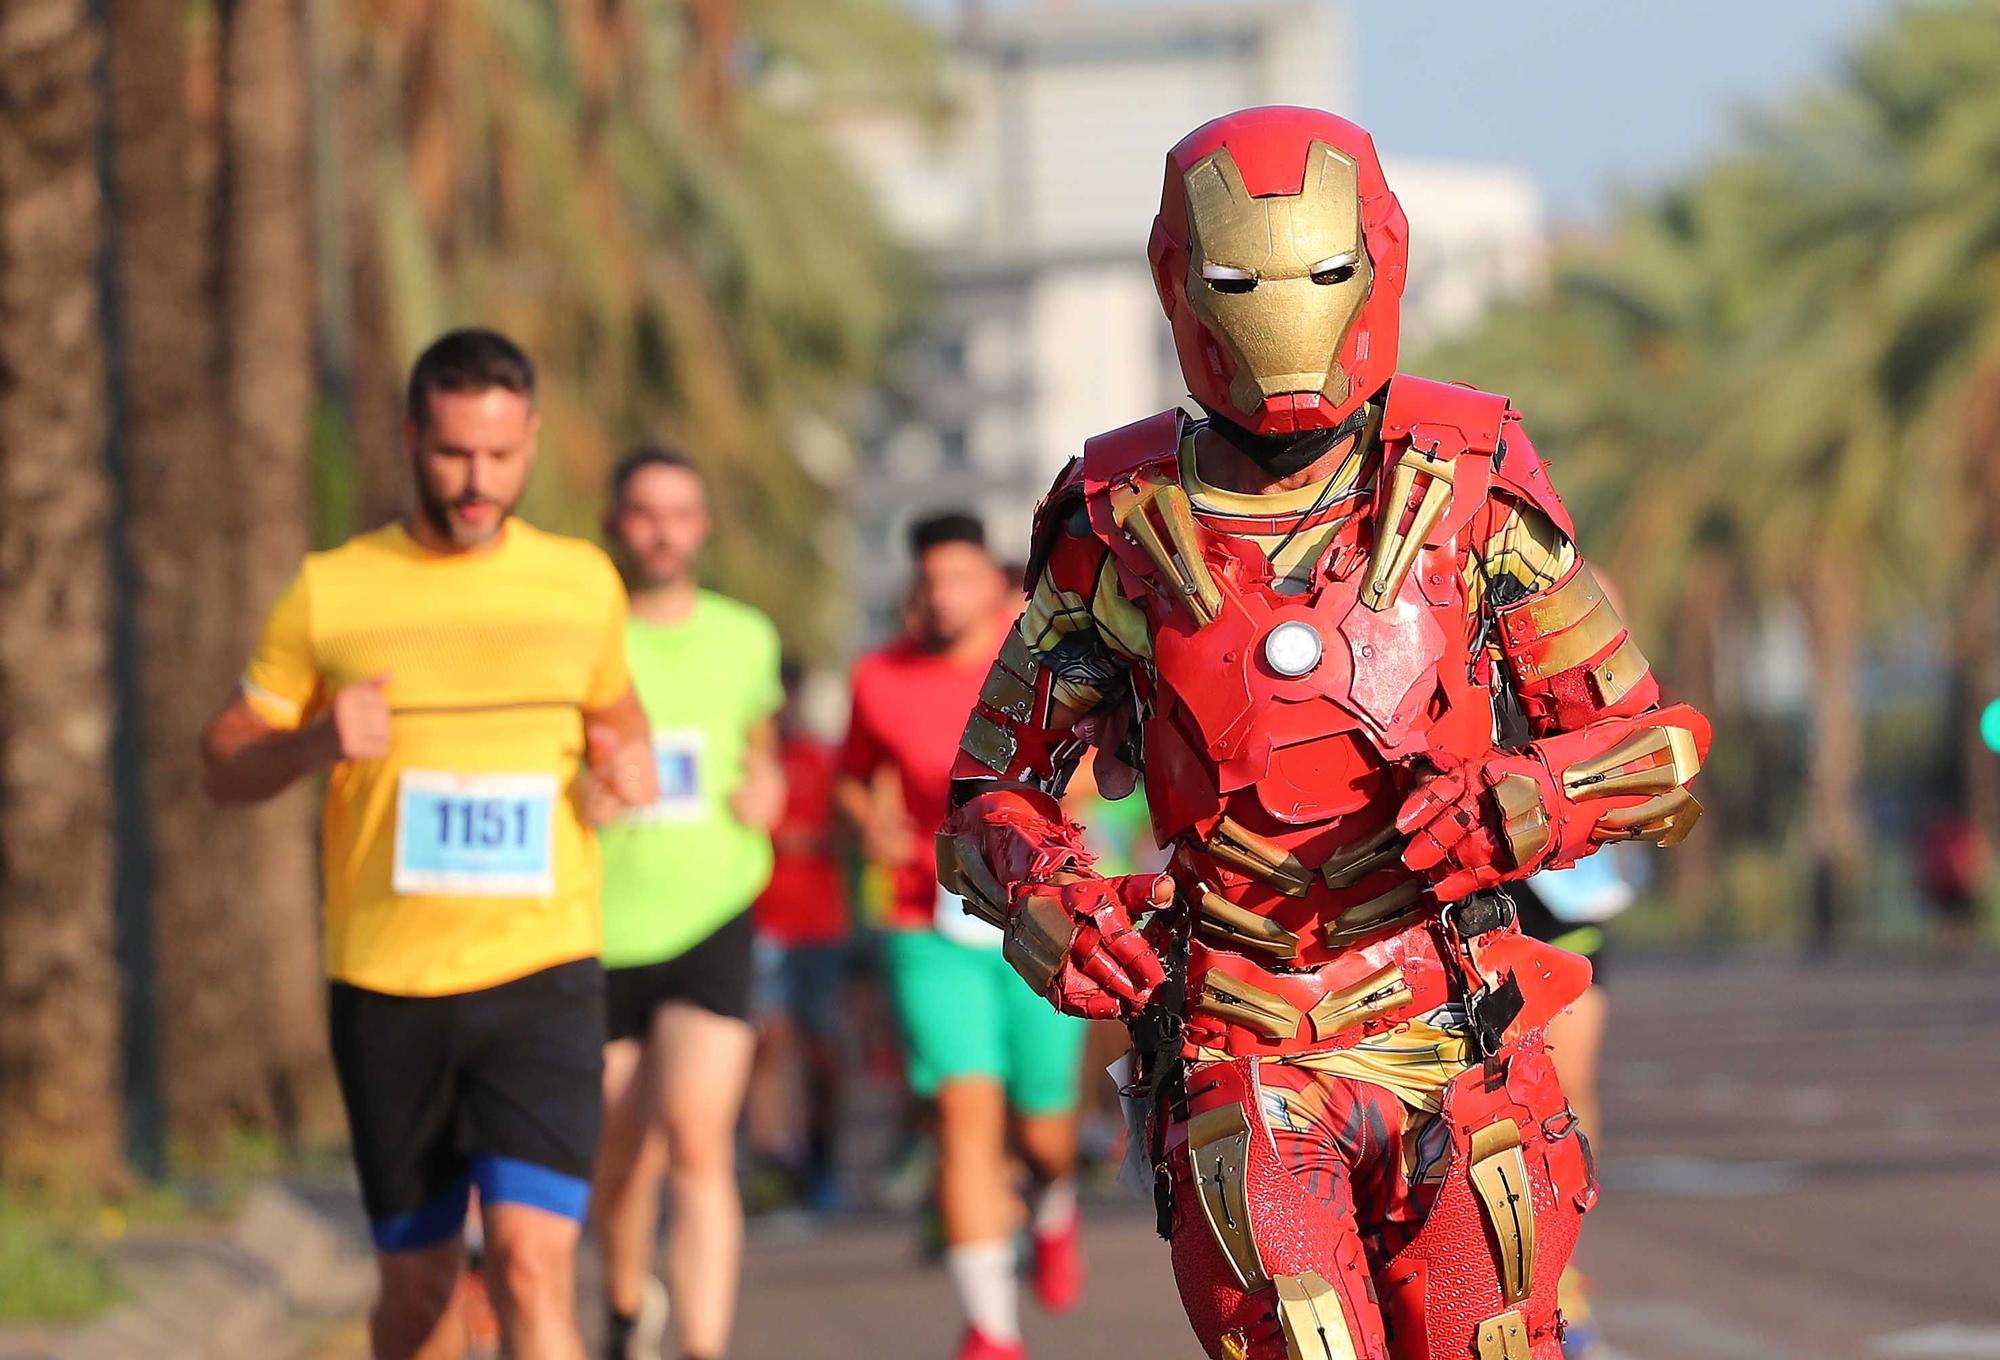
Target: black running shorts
[714,975]
[499,1088]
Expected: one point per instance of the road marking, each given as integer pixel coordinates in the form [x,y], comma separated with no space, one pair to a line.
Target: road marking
[1940,1341]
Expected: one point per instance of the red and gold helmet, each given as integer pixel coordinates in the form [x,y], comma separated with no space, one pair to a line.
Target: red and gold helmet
[1279,254]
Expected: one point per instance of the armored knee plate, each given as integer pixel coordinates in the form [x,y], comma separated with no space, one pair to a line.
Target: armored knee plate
[1249,1244]
[1479,1278]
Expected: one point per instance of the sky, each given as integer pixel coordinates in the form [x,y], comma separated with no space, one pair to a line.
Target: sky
[1587,96]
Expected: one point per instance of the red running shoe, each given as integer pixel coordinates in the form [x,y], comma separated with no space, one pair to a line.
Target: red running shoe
[979,1346]
[1059,1267]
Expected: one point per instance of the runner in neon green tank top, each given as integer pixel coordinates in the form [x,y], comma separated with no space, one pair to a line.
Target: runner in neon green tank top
[679,878]
[677,871]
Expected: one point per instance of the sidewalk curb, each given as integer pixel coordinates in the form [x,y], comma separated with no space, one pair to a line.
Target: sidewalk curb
[250,1291]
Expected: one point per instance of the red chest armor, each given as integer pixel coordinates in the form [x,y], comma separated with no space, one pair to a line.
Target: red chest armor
[1282,731]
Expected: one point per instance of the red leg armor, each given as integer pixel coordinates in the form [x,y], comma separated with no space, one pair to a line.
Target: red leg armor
[1288,1183]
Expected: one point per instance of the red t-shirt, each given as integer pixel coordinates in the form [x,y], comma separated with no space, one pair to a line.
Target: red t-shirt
[910,708]
[806,900]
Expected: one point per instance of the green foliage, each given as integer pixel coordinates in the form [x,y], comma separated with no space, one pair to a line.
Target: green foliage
[1759,390]
[707,274]
[52,1267]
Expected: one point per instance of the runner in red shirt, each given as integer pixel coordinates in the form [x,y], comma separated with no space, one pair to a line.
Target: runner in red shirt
[803,951]
[978,1040]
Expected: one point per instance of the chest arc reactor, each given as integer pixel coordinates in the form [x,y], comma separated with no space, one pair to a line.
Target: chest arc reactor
[1292,649]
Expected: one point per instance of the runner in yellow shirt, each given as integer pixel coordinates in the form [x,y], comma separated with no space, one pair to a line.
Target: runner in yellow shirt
[462,677]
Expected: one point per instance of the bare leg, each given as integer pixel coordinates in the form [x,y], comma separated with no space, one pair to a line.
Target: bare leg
[974,1198]
[701,1066]
[771,1118]
[1048,1145]
[416,1316]
[631,1164]
[531,1273]
[1576,1036]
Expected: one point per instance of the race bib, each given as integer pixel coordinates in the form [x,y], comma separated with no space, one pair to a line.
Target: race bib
[678,760]
[475,835]
[955,923]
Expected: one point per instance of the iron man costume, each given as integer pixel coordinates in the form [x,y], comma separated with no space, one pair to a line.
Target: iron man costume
[1358,706]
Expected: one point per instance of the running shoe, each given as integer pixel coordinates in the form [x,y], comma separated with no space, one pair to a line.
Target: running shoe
[979,1346]
[641,1337]
[1058,1267]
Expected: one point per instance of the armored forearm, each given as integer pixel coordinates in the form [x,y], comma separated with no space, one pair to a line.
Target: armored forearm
[1003,839]
[1613,765]
[1618,779]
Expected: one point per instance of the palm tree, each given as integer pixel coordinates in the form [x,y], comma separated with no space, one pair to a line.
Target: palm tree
[59,1112]
[619,184]
[267,389]
[176,468]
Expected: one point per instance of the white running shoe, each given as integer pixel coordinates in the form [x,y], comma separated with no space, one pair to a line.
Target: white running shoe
[649,1332]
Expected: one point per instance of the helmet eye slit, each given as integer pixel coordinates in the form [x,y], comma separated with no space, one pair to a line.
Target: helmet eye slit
[1334,269]
[1224,278]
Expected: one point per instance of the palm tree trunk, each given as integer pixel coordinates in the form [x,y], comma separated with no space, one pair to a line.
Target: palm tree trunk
[59,1112]
[267,313]
[215,1048]
[711,76]
[1838,821]
[374,413]
[1694,869]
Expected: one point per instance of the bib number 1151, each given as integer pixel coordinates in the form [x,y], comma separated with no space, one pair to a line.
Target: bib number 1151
[483,835]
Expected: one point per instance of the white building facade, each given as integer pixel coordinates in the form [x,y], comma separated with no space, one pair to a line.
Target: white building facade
[1031,208]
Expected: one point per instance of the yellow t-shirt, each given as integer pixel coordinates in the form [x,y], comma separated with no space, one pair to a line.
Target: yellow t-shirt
[459,860]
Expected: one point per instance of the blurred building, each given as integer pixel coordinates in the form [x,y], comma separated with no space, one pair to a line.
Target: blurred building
[1031,206]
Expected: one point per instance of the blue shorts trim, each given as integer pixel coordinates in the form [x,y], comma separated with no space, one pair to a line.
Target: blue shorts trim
[426,1225]
[509,1180]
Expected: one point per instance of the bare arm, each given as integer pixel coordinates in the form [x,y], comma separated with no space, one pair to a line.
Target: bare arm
[874,808]
[618,758]
[247,760]
[759,801]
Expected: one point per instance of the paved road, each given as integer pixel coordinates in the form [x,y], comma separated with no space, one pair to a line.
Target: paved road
[1799,1163]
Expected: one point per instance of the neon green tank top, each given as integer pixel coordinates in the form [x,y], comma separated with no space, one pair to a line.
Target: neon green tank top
[679,869]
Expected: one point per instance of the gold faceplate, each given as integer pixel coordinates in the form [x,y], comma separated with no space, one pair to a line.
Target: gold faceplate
[1247,852]
[1223,922]
[1505,1337]
[1523,818]
[1313,1319]
[1397,544]
[1377,994]
[1172,543]
[1665,758]
[1219,1151]
[1247,1004]
[1284,330]
[1499,1175]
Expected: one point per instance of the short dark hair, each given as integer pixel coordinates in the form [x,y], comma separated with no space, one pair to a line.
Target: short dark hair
[470,359]
[947,526]
[645,456]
